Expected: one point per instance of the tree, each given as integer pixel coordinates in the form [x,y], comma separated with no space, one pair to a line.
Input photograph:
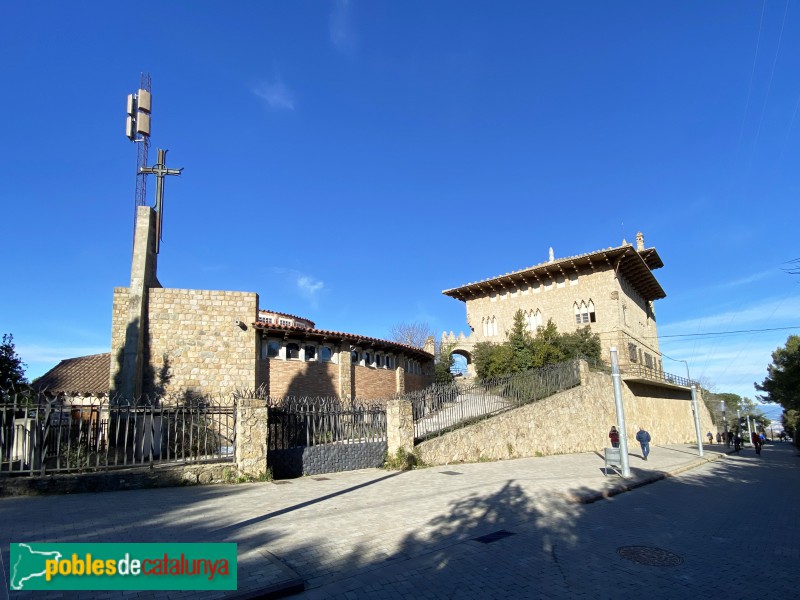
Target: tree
[782,384]
[523,351]
[442,367]
[411,334]
[12,369]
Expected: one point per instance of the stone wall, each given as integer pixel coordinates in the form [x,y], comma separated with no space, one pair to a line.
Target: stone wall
[194,344]
[577,420]
[326,458]
[123,479]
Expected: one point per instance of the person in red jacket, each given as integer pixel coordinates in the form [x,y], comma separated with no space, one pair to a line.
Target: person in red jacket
[756,439]
[613,435]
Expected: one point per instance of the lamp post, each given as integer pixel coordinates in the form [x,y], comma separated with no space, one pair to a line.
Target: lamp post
[695,410]
[724,422]
[623,438]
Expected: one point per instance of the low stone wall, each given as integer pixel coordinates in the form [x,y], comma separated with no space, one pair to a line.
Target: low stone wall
[326,458]
[124,479]
[577,420]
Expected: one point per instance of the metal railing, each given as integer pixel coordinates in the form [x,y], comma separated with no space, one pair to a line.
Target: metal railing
[39,436]
[313,421]
[442,408]
[654,375]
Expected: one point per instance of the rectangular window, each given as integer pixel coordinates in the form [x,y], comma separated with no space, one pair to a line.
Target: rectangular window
[632,352]
[284,322]
[271,349]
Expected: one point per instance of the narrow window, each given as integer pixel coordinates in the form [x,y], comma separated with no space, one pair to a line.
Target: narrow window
[354,357]
[325,354]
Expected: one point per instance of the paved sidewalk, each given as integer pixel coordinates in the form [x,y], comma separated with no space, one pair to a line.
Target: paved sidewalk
[317,531]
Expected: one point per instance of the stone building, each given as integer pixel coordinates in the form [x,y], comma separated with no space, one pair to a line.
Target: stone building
[611,291]
[184,342]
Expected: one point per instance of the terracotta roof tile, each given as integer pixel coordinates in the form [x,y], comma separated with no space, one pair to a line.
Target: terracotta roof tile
[80,375]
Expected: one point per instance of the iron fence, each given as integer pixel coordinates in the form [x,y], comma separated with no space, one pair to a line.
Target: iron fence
[39,436]
[654,374]
[443,407]
[313,421]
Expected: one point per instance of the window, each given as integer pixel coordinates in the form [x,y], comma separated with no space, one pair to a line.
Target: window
[367,359]
[354,357]
[489,327]
[632,352]
[533,320]
[284,322]
[648,360]
[293,351]
[271,349]
[325,354]
[379,360]
[584,313]
[390,362]
[268,320]
[311,352]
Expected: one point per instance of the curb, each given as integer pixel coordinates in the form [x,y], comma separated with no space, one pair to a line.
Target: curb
[627,486]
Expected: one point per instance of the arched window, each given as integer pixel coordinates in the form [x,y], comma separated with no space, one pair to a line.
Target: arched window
[584,313]
[325,354]
[293,351]
[311,352]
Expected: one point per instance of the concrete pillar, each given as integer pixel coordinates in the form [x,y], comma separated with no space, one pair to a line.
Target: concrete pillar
[251,437]
[583,366]
[400,380]
[345,373]
[128,382]
[399,426]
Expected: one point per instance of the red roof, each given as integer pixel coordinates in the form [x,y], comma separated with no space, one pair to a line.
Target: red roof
[341,336]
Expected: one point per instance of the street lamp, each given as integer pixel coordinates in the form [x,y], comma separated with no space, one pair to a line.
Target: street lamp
[695,410]
[724,422]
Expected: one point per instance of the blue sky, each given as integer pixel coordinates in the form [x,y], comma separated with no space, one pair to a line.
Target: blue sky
[350,160]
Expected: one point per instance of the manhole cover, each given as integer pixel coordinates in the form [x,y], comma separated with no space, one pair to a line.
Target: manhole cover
[450,473]
[649,556]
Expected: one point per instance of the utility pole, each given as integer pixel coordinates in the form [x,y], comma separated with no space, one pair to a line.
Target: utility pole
[623,438]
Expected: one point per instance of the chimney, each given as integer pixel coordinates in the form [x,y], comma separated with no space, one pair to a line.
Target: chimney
[552,256]
[640,241]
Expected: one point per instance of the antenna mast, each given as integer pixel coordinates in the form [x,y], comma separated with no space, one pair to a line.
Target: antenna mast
[137,128]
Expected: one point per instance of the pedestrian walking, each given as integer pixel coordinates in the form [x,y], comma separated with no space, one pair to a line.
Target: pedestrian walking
[613,435]
[719,437]
[737,443]
[710,438]
[756,439]
[644,441]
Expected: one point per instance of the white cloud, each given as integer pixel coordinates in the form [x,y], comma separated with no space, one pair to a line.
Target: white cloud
[309,287]
[277,95]
[340,26]
[767,312]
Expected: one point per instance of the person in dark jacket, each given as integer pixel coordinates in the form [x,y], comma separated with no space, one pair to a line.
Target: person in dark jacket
[613,435]
[644,441]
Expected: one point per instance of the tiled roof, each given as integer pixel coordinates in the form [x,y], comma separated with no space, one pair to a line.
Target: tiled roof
[635,265]
[341,336]
[80,375]
[283,314]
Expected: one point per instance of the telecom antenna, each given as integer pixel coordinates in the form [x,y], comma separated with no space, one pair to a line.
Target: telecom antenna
[137,129]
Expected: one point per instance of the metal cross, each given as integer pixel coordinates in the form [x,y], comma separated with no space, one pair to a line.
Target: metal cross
[160,170]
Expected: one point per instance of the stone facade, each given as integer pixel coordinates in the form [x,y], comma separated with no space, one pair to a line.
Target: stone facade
[399,426]
[251,437]
[610,291]
[577,420]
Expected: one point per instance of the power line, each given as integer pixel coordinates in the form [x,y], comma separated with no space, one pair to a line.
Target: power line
[708,334]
